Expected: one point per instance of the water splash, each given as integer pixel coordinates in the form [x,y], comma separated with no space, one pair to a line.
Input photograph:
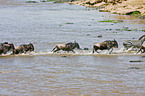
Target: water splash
[77,52]
[87,53]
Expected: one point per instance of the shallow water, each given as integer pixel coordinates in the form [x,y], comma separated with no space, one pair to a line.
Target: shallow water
[82,73]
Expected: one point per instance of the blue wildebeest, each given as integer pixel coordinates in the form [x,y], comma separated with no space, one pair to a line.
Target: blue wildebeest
[106,45]
[66,47]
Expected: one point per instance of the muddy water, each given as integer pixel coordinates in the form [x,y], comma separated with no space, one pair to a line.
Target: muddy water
[43,73]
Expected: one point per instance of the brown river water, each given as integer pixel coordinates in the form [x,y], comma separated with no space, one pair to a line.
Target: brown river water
[43,73]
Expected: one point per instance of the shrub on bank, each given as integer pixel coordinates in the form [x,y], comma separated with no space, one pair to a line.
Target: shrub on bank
[31,2]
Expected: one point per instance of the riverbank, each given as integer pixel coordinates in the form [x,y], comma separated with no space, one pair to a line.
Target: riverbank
[123,7]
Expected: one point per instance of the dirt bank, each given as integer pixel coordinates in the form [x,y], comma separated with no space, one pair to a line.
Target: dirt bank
[123,7]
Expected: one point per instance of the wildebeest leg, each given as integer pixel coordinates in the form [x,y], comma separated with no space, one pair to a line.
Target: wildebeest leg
[53,48]
[111,51]
[143,50]
[56,50]
[5,51]
[125,48]
[97,51]
[139,50]
[93,50]
[73,51]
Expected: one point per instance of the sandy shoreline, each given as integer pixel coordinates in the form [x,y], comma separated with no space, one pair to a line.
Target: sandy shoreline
[123,7]
[128,7]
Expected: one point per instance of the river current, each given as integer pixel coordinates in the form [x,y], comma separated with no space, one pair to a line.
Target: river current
[44,73]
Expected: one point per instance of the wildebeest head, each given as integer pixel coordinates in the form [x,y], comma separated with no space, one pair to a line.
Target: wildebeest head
[28,47]
[12,47]
[8,47]
[111,44]
[77,45]
[73,45]
[114,44]
[31,47]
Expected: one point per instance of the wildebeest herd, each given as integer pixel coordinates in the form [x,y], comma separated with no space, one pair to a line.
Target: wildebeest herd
[6,47]
[106,45]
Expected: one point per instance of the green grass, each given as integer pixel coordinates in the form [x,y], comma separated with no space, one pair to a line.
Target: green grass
[133,13]
[43,1]
[31,2]
[111,21]
[69,23]
[107,21]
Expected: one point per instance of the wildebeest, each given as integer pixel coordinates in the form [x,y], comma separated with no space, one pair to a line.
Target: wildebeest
[66,47]
[106,45]
[5,47]
[134,43]
[24,48]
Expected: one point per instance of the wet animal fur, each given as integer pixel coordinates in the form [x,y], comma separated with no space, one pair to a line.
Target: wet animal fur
[66,47]
[106,45]
[24,48]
